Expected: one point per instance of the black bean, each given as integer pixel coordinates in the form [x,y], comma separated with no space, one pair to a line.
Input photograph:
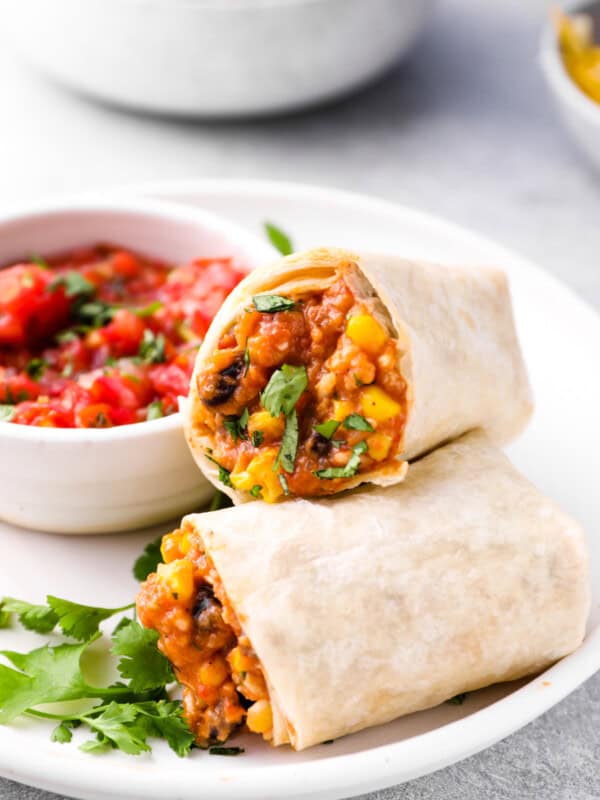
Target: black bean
[319,444]
[219,387]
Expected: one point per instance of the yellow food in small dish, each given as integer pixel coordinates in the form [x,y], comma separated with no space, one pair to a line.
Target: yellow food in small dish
[580,54]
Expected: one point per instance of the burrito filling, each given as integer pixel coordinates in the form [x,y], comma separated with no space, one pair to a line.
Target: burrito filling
[303,394]
[223,684]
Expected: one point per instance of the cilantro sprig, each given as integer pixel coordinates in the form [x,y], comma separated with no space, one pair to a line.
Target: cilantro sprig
[351,467]
[281,395]
[271,303]
[280,240]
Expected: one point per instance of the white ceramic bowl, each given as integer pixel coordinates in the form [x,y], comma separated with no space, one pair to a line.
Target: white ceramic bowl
[91,480]
[580,113]
[214,57]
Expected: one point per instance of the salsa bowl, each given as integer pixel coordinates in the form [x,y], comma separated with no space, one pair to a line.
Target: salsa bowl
[92,480]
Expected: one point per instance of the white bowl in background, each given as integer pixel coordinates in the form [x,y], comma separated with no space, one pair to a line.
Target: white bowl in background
[76,480]
[580,113]
[214,57]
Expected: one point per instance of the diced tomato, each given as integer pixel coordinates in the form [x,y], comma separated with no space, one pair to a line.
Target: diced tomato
[30,311]
[170,379]
[124,333]
[98,415]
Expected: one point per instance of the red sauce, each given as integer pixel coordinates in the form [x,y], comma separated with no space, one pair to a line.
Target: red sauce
[103,336]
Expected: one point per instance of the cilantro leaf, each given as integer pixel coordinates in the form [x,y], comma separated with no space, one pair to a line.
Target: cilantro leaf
[154,410]
[35,368]
[270,303]
[45,675]
[167,721]
[351,467]
[284,389]
[236,426]
[75,285]
[4,618]
[95,313]
[148,561]
[80,621]
[289,444]
[7,412]
[98,745]
[223,473]
[354,422]
[246,359]
[120,724]
[152,347]
[63,732]
[142,663]
[38,618]
[458,699]
[149,310]
[279,239]
[284,483]
[256,490]
[36,259]
[327,429]
[257,438]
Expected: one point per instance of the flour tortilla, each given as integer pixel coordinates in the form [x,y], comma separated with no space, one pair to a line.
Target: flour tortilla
[459,351]
[382,602]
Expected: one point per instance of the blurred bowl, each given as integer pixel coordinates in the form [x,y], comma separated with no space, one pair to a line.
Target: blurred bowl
[580,113]
[214,58]
[96,480]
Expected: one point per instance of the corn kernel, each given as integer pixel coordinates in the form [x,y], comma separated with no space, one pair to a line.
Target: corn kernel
[342,409]
[259,718]
[259,472]
[185,545]
[179,577]
[239,662]
[379,446]
[170,547]
[378,405]
[270,427]
[214,672]
[367,333]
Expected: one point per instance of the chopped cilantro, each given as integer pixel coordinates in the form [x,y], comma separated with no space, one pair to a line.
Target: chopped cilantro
[223,473]
[355,422]
[280,240]
[219,500]
[256,490]
[225,751]
[152,347]
[7,412]
[327,429]
[351,467]
[270,303]
[75,285]
[39,261]
[154,410]
[35,368]
[458,699]
[246,360]
[284,483]
[149,310]
[284,389]
[289,444]
[257,438]
[236,426]
[66,336]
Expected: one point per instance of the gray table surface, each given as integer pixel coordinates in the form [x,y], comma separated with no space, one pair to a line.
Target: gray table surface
[465,129]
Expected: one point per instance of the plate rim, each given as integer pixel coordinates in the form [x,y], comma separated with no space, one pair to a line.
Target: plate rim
[379,766]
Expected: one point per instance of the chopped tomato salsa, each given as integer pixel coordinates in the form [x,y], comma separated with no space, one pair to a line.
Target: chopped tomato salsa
[302,395]
[103,336]
[223,683]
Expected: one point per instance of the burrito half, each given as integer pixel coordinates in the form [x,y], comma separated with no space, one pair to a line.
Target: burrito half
[328,370]
[307,621]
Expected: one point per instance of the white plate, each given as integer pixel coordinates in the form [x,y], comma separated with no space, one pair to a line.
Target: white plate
[560,452]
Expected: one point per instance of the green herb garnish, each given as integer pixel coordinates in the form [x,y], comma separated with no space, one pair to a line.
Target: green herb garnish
[354,422]
[289,444]
[94,313]
[152,347]
[280,240]
[351,467]
[246,359]
[148,561]
[36,259]
[154,410]
[256,490]
[236,426]
[284,389]
[7,412]
[75,285]
[223,473]
[327,429]
[219,500]
[149,310]
[257,438]
[35,368]
[284,484]
[225,751]
[270,303]
[64,337]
